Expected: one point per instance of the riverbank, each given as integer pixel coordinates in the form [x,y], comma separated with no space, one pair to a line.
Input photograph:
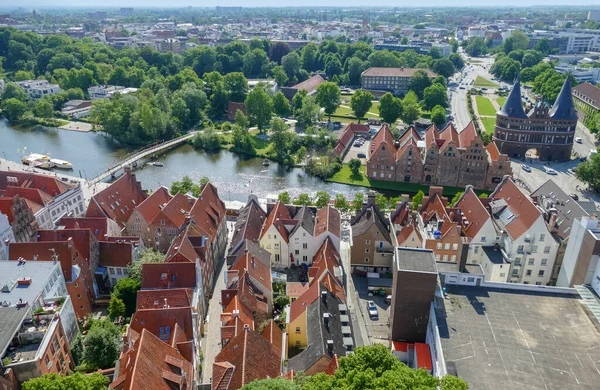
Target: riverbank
[345,176]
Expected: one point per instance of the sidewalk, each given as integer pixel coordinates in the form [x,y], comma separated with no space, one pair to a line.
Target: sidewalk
[211,342]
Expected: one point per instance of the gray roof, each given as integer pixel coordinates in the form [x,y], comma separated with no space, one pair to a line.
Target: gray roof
[318,334]
[306,219]
[513,107]
[367,217]
[248,224]
[495,256]
[415,259]
[550,196]
[563,108]
[255,250]
[38,271]
[11,319]
[505,339]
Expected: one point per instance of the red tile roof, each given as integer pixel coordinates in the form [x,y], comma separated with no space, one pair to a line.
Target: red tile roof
[334,364]
[6,205]
[431,135]
[208,211]
[328,219]
[493,151]
[97,225]
[342,142]
[407,230]
[312,294]
[326,258]
[48,184]
[118,200]
[32,194]
[45,251]
[397,72]
[468,135]
[384,135]
[169,275]
[475,212]
[253,358]
[243,313]
[295,289]
[274,335]
[255,268]
[82,238]
[276,218]
[174,297]
[177,208]
[155,319]
[449,133]
[153,204]
[113,254]
[153,364]
[524,211]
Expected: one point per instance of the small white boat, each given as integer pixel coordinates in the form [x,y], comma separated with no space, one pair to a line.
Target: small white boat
[158,164]
[61,163]
[266,162]
[37,160]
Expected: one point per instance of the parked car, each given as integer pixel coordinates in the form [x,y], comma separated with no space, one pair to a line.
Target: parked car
[578,140]
[361,155]
[575,196]
[388,299]
[526,168]
[372,309]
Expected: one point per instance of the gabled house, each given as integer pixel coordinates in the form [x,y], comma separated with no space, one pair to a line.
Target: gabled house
[247,357]
[118,200]
[524,238]
[100,227]
[248,227]
[372,246]
[301,245]
[148,362]
[381,157]
[235,318]
[328,225]
[274,236]
[144,213]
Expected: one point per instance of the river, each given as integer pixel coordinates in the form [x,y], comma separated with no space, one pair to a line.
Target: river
[234,176]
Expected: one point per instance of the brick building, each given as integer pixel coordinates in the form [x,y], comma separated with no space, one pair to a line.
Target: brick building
[390,79]
[446,157]
[550,131]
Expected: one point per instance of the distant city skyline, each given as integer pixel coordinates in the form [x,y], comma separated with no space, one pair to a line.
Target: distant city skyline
[44,4]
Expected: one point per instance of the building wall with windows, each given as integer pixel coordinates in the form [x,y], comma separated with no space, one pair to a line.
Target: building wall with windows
[277,245]
[303,246]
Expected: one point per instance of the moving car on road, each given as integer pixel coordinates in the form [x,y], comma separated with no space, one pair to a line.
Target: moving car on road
[526,168]
[550,171]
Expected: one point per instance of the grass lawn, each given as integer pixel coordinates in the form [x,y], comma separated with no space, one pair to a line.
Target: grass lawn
[348,113]
[484,106]
[483,82]
[501,100]
[345,176]
[489,124]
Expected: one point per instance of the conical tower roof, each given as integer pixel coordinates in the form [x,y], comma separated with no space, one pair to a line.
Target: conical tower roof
[513,107]
[563,108]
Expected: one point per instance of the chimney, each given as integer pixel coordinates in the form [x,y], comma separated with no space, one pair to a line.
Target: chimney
[6,246]
[324,297]
[552,222]
[330,346]
[326,320]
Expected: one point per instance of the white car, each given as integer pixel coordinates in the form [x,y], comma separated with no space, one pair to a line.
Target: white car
[550,171]
[526,168]
[578,140]
[372,309]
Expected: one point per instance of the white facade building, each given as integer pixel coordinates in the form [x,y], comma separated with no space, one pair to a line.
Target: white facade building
[37,89]
[107,91]
[6,236]
[70,203]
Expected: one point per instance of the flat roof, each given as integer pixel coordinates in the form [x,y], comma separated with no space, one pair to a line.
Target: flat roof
[11,271]
[495,256]
[415,259]
[515,339]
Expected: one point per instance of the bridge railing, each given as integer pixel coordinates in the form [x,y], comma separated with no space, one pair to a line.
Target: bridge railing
[158,145]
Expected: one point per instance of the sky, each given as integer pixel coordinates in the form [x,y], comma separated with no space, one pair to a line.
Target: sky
[40,4]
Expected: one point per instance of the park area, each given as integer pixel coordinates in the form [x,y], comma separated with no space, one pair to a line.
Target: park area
[485,106]
[345,114]
[483,82]
[501,100]
[489,124]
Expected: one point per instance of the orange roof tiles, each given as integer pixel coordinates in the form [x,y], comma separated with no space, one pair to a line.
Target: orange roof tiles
[253,358]
[255,268]
[384,135]
[493,151]
[243,313]
[406,231]
[115,254]
[153,204]
[274,335]
[328,220]
[423,356]
[177,208]
[97,225]
[475,212]
[169,275]
[31,194]
[82,238]
[334,364]
[48,184]
[468,135]
[276,218]
[295,289]
[449,133]
[118,200]
[153,364]
[157,320]
[174,297]
[326,258]
[525,212]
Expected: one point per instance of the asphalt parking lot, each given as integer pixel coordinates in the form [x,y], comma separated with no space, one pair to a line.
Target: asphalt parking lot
[353,152]
[378,330]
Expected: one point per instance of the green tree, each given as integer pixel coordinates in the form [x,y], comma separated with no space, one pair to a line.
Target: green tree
[242,120]
[354,165]
[185,186]
[518,39]
[272,384]
[309,112]
[328,97]
[134,271]
[457,60]
[284,198]
[236,85]
[14,109]
[435,95]
[361,103]
[456,198]
[102,345]
[589,171]
[438,115]
[242,141]
[355,69]
[260,107]
[340,202]
[418,82]
[357,201]
[323,199]
[417,199]
[23,75]
[281,78]
[12,90]
[76,381]
[411,111]
[483,195]
[444,67]
[281,105]
[116,307]
[476,47]
[126,289]
[390,108]
[303,200]
[77,349]
[43,108]
[291,64]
